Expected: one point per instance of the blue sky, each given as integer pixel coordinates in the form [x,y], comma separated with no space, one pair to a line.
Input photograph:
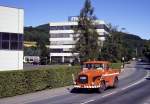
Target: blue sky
[134,15]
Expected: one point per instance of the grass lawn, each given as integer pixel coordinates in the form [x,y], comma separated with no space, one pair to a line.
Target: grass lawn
[116,65]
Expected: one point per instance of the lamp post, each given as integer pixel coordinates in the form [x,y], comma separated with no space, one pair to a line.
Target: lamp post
[123,61]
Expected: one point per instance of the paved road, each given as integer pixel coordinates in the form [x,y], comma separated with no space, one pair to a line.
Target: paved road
[139,94]
[132,89]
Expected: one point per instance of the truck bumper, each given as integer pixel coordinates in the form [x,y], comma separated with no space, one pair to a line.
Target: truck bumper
[86,86]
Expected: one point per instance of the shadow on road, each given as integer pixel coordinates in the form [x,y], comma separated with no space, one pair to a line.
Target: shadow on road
[148,68]
[147,78]
[88,91]
[83,91]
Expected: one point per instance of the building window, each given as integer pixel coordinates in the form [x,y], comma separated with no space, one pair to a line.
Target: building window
[20,37]
[20,42]
[14,37]
[67,59]
[0,41]
[62,35]
[71,27]
[20,45]
[11,41]
[56,50]
[56,59]
[5,44]
[14,45]
[65,27]
[5,36]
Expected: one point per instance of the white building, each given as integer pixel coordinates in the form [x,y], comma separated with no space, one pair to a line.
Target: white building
[62,42]
[11,38]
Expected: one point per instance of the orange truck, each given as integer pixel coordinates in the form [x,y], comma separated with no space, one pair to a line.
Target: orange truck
[96,75]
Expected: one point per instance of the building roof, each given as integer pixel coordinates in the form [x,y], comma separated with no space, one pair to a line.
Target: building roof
[97,62]
[10,7]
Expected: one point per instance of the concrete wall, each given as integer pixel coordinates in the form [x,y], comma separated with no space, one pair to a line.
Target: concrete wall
[11,60]
[11,21]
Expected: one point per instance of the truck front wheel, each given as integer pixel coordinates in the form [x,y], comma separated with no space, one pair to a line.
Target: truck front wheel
[102,87]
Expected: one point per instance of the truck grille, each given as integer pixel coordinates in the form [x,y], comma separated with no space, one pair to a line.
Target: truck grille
[83,79]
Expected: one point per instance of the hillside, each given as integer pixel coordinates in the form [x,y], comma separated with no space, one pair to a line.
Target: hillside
[36,33]
[120,45]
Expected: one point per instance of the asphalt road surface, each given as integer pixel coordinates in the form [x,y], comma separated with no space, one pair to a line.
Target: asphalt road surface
[133,89]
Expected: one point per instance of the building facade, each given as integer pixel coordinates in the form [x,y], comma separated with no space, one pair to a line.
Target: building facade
[62,41]
[11,38]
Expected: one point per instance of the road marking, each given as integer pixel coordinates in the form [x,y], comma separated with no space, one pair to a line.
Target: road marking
[110,93]
[131,85]
[114,92]
[143,79]
[88,101]
[148,74]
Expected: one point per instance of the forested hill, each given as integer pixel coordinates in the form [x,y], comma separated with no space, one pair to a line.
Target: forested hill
[129,40]
[36,33]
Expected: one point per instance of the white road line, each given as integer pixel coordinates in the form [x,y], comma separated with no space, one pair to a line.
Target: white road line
[136,82]
[88,101]
[133,84]
[114,92]
[110,94]
[148,74]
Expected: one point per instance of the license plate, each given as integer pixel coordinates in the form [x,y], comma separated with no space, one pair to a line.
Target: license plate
[82,86]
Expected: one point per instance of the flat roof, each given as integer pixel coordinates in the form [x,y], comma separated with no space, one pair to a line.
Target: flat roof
[10,7]
[97,62]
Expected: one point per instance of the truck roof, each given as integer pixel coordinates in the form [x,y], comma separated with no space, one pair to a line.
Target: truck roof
[97,62]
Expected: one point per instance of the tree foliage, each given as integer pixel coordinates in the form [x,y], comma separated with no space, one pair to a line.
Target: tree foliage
[120,44]
[40,35]
[146,50]
[87,44]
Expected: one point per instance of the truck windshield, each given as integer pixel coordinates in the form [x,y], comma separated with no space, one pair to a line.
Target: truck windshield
[93,66]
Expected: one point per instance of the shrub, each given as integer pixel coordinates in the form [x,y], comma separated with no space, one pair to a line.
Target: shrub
[20,82]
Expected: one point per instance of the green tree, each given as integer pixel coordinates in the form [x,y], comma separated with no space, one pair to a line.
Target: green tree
[40,35]
[146,50]
[120,44]
[31,51]
[44,52]
[87,44]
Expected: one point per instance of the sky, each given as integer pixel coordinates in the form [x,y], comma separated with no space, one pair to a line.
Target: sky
[133,15]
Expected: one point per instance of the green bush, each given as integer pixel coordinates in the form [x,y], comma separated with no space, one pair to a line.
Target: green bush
[20,82]
[116,65]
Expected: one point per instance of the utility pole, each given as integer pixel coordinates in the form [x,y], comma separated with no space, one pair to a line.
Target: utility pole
[123,59]
[136,52]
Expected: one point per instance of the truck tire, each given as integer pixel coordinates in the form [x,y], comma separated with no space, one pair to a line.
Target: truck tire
[102,87]
[115,84]
[74,90]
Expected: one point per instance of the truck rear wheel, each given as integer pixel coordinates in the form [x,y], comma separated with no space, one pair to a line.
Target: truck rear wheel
[102,87]
[115,84]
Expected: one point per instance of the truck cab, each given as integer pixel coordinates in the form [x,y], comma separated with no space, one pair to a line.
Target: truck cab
[96,75]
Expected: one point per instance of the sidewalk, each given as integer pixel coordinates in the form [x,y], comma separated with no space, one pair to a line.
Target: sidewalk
[45,94]
[127,70]
[40,95]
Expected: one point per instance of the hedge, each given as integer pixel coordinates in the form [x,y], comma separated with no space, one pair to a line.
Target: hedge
[20,82]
